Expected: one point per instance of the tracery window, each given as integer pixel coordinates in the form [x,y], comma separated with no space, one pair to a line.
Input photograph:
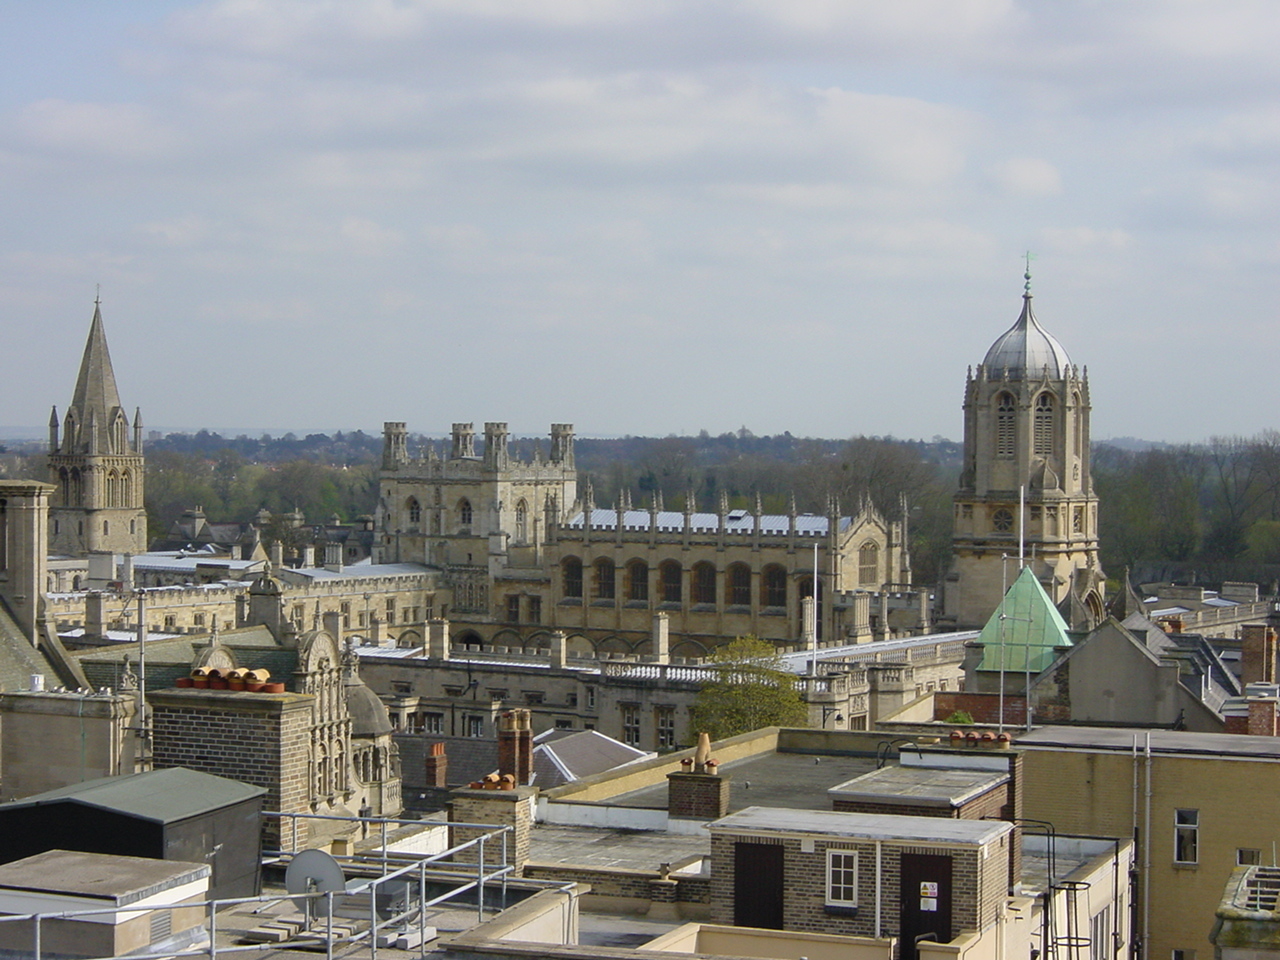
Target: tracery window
[704,583]
[869,564]
[637,580]
[672,577]
[738,585]
[606,579]
[415,510]
[522,522]
[571,577]
[464,512]
[774,585]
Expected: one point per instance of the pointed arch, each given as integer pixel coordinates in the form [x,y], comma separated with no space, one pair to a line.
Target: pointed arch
[465,514]
[522,522]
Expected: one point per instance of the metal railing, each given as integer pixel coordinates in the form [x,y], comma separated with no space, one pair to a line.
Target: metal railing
[471,876]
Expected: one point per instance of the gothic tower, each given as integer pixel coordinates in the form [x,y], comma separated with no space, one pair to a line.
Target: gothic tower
[97,463]
[1025,479]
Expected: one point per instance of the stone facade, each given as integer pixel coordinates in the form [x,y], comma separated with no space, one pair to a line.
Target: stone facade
[524,555]
[96,462]
[1026,428]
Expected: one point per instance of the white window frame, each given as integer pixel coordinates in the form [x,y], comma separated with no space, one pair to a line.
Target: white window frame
[832,899]
[1186,824]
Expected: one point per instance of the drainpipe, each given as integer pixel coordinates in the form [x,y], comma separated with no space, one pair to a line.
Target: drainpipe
[879,891]
[1146,860]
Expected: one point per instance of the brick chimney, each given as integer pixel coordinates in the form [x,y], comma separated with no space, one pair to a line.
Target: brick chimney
[437,766]
[515,745]
[698,792]
[1262,716]
[1257,654]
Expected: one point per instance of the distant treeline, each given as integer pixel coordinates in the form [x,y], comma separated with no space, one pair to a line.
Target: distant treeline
[1206,512]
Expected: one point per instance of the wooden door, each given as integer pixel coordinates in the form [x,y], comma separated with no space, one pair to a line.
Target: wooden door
[757,885]
[924,900]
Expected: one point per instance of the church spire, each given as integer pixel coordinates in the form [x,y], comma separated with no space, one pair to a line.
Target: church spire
[96,391]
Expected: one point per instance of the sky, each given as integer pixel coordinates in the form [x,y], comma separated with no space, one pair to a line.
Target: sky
[640,216]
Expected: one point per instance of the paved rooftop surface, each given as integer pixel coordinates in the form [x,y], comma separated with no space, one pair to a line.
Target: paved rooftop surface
[920,786]
[798,780]
[873,826]
[623,849]
[1162,741]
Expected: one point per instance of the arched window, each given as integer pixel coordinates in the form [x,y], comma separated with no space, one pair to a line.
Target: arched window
[774,584]
[571,577]
[1005,413]
[126,489]
[637,580]
[606,579]
[869,564]
[703,588]
[522,522]
[415,510]
[1044,425]
[464,512]
[672,577]
[738,585]
[113,482]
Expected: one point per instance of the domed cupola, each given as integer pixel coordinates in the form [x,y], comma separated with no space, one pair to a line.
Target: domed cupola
[1026,349]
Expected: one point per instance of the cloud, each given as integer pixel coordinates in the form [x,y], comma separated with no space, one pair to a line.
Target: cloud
[116,131]
[1028,177]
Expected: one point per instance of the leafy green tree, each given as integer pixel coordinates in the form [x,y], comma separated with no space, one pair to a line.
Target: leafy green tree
[751,690]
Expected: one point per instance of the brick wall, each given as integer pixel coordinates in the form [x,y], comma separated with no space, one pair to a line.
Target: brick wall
[978,885]
[500,808]
[983,707]
[257,738]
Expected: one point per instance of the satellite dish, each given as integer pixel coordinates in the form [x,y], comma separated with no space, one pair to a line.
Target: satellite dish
[313,871]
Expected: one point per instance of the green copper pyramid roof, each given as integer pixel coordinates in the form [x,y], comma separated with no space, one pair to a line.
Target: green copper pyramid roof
[1024,629]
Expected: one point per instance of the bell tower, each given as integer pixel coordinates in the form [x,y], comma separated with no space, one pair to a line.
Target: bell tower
[96,463]
[1025,481]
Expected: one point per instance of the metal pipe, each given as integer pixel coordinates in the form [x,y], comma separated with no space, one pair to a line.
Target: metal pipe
[373,920]
[213,929]
[480,885]
[879,885]
[422,909]
[37,943]
[328,930]
[1146,858]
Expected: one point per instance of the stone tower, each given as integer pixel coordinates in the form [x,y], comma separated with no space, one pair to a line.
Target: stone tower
[1025,479]
[97,463]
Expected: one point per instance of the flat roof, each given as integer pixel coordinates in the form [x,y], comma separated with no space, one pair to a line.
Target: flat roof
[798,780]
[161,796]
[919,786]
[98,876]
[1121,739]
[868,826]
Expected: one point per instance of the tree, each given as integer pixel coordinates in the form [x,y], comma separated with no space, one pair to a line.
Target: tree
[751,690]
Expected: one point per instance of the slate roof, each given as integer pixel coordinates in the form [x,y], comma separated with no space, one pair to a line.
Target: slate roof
[562,756]
[160,796]
[18,658]
[470,758]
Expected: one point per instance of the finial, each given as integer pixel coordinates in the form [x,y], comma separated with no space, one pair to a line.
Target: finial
[1026,276]
[97,294]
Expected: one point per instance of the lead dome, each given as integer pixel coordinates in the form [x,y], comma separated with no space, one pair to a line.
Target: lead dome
[1027,349]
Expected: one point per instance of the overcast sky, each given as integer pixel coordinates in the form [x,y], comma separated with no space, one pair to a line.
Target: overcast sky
[641,216]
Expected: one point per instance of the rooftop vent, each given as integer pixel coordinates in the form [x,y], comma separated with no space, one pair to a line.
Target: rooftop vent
[1262,889]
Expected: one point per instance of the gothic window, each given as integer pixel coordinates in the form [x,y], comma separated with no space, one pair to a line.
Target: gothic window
[606,579]
[1005,426]
[571,577]
[703,588]
[1002,520]
[1077,520]
[869,564]
[672,577]
[522,522]
[1044,425]
[415,511]
[738,585]
[126,490]
[775,586]
[113,481]
[637,580]
[464,512]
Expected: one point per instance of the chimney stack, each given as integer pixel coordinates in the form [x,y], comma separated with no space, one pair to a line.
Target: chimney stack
[515,745]
[437,766]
